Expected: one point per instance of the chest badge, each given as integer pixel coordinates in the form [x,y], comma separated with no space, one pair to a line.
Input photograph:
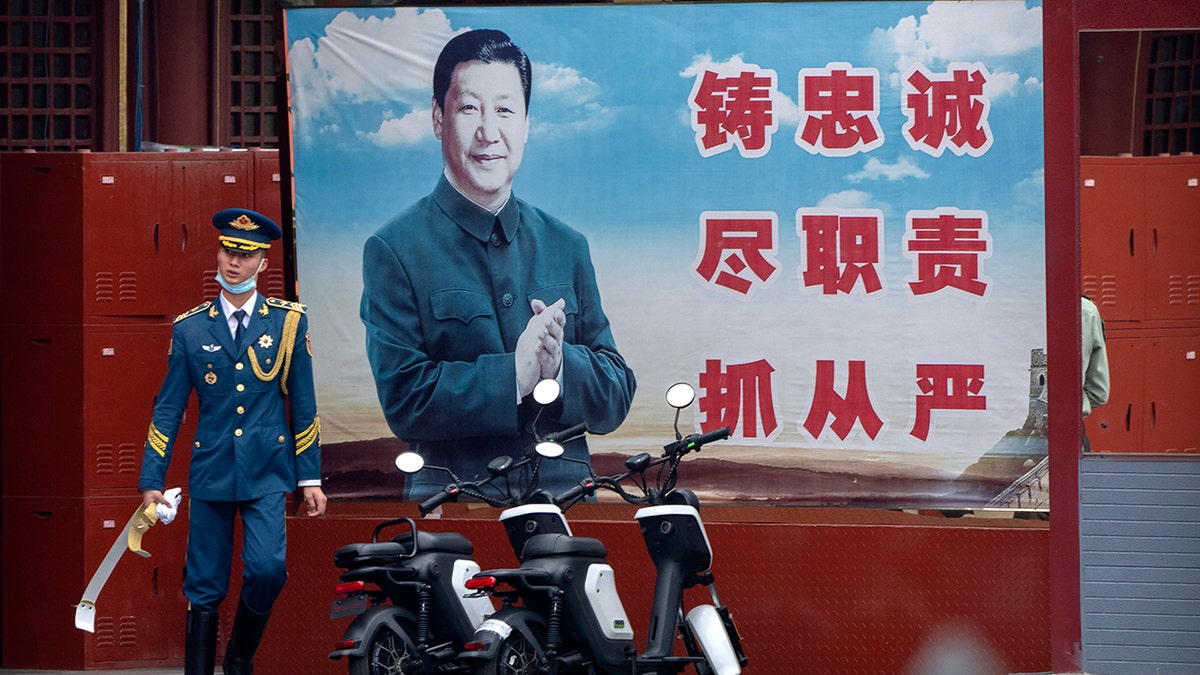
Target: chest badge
[265,342]
[210,377]
[211,348]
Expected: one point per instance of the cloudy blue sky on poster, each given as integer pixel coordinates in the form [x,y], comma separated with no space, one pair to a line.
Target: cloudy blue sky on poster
[612,152]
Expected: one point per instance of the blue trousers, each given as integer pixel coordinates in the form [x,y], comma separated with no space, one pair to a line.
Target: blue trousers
[210,551]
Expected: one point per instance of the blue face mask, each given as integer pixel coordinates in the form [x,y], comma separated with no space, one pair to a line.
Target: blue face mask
[244,287]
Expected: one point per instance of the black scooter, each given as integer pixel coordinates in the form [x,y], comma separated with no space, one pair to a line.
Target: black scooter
[561,612]
[413,613]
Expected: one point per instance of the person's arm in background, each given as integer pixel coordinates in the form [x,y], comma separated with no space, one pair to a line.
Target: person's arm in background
[1095,357]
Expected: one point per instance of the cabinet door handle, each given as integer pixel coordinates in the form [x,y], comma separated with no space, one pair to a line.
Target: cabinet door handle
[1154,251]
[1153,415]
[183,239]
[1129,417]
[156,237]
[1131,242]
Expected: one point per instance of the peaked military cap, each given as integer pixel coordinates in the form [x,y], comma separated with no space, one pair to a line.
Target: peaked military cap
[245,230]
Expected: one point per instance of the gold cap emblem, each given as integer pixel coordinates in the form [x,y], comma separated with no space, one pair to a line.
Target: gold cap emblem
[243,222]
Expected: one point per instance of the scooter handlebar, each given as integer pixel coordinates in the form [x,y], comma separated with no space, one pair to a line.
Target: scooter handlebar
[567,434]
[584,488]
[693,442]
[435,501]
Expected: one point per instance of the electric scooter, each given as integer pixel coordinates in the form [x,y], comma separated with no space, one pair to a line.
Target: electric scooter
[561,612]
[408,594]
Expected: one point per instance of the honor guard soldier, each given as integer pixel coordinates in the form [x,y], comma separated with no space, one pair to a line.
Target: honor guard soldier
[249,361]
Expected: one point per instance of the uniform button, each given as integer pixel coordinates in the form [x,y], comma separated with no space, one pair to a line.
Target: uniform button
[241,410]
[197,444]
[237,432]
[239,366]
[495,239]
[281,439]
[241,387]
[508,299]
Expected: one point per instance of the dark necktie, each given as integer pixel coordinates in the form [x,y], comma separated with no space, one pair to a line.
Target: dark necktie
[241,328]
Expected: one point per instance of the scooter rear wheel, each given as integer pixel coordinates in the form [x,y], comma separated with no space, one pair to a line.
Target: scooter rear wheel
[516,656]
[387,654]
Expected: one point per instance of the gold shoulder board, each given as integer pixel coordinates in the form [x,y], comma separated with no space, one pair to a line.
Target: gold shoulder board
[195,310]
[287,304]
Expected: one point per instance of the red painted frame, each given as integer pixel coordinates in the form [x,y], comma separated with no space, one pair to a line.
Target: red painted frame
[1062,22]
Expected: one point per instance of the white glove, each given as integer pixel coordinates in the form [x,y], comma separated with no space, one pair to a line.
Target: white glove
[167,514]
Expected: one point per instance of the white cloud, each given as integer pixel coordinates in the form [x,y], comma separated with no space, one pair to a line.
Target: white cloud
[1031,191]
[962,32]
[875,170]
[563,84]
[407,130]
[368,59]
[847,199]
[389,61]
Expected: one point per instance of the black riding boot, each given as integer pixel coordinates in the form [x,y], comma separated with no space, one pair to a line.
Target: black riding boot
[248,627]
[200,643]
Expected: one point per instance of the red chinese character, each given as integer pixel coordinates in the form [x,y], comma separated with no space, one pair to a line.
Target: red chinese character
[855,406]
[947,247]
[842,108]
[737,110]
[740,392]
[744,244]
[840,248]
[948,111]
[946,387]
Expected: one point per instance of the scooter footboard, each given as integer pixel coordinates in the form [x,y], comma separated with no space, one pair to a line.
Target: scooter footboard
[364,626]
[716,643]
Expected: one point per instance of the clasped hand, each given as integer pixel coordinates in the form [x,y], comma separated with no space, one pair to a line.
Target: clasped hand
[539,350]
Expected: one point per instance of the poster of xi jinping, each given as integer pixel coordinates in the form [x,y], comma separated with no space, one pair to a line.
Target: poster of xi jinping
[826,217]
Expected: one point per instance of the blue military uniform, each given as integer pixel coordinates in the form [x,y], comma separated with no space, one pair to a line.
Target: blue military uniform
[257,439]
[247,445]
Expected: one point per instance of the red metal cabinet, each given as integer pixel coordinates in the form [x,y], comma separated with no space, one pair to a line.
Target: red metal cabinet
[43,422]
[132,232]
[201,185]
[1140,247]
[1155,385]
[139,613]
[1112,204]
[1117,425]
[268,201]
[1172,234]
[77,403]
[268,182]
[1172,393]
[122,371]
[101,251]
[1140,244]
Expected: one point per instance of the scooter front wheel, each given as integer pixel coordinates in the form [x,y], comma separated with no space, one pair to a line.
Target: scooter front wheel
[387,654]
[516,656]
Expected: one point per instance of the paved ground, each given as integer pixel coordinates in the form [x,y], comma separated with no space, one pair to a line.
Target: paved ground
[139,671]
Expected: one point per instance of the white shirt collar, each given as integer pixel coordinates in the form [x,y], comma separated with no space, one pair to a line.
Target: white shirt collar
[228,309]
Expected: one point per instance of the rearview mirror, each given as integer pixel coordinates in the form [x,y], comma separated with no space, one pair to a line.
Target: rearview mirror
[680,395]
[546,392]
[410,462]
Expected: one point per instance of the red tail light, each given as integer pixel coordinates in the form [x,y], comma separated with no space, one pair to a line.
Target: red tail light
[477,583]
[474,646]
[346,644]
[349,587]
